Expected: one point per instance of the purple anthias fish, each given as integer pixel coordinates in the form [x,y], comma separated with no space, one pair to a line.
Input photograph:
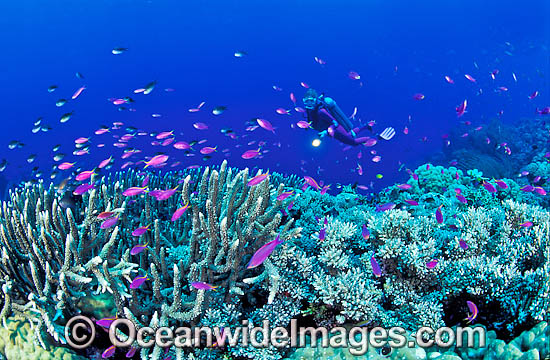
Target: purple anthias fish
[109,223]
[431,264]
[138,281]
[473,311]
[131,352]
[501,184]
[134,190]
[489,187]
[365,232]
[411,202]
[385,207]
[539,190]
[166,194]
[527,188]
[311,182]
[285,195]
[145,181]
[462,244]
[106,322]
[375,267]
[81,189]
[262,253]
[461,198]
[110,351]
[404,186]
[526,224]
[140,230]
[179,212]
[439,215]
[203,286]
[322,234]
[264,124]
[138,249]
[258,179]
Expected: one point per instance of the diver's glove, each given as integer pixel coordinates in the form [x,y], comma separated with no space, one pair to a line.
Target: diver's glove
[322,134]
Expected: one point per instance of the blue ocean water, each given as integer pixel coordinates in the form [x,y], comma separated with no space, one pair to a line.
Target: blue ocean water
[398,48]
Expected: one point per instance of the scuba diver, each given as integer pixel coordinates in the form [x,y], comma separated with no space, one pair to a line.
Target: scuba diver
[326,117]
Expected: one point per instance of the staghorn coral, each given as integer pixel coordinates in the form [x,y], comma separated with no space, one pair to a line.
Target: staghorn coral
[52,258]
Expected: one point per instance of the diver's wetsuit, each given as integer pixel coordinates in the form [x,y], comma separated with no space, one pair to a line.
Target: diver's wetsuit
[327,116]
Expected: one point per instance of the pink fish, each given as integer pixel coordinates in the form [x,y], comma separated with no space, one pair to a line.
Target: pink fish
[138,248]
[166,194]
[539,190]
[449,80]
[140,230]
[473,311]
[469,77]
[119,101]
[354,75]
[131,352]
[264,124]
[527,188]
[81,189]
[200,126]
[406,130]
[179,212]
[138,281]
[322,234]
[303,124]
[300,109]
[365,233]
[276,88]
[208,150]
[419,96]
[431,264]
[182,145]
[156,160]
[250,154]
[385,207]
[370,142]
[85,175]
[461,198]
[404,186]
[311,182]
[106,322]
[461,109]
[134,190]
[203,286]
[78,92]
[105,215]
[109,223]
[320,61]
[462,244]
[164,135]
[101,131]
[533,95]
[376,158]
[439,215]
[110,351]
[411,202]
[105,162]
[304,85]
[81,140]
[65,166]
[285,195]
[282,111]
[262,253]
[359,169]
[293,98]
[324,189]
[526,224]
[258,179]
[375,267]
[489,187]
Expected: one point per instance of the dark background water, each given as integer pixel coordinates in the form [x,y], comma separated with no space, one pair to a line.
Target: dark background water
[189,46]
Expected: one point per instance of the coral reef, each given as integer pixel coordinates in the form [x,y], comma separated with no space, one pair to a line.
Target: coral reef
[410,256]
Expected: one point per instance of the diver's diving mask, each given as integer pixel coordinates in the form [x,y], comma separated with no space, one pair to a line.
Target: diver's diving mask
[309,102]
